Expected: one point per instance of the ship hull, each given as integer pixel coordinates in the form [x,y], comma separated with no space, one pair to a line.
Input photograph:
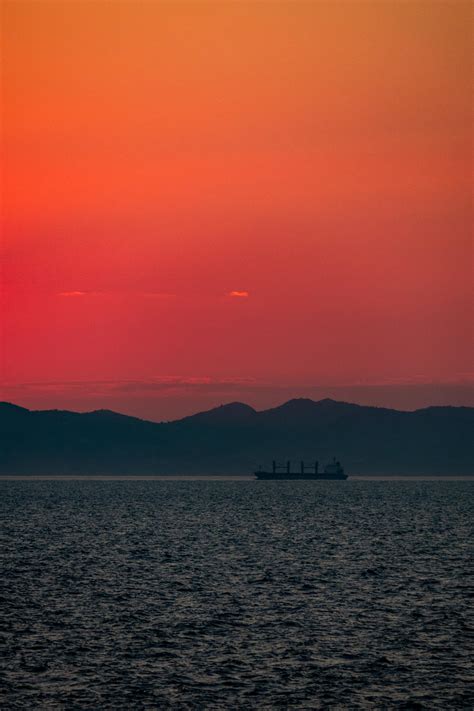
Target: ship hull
[284,476]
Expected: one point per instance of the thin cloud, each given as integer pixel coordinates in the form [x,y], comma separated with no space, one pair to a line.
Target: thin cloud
[73,293]
[136,396]
[139,294]
[152,295]
[156,384]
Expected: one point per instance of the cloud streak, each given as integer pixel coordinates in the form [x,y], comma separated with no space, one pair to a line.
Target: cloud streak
[160,384]
[238,294]
[74,294]
[176,385]
[139,294]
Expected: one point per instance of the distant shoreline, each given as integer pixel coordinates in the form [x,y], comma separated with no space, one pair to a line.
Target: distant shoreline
[230,441]
[210,477]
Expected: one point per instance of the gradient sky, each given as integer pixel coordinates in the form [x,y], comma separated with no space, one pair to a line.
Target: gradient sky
[212,201]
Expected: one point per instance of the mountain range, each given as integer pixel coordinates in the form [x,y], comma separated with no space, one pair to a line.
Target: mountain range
[236,439]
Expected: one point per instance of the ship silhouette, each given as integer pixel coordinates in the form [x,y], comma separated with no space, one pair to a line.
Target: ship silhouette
[332,471]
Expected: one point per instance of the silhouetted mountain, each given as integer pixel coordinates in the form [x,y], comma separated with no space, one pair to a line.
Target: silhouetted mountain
[232,413]
[235,438]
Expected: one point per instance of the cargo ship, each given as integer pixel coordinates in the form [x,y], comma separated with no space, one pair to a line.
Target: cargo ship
[332,471]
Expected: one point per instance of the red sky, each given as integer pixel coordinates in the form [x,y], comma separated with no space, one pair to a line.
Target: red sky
[205,202]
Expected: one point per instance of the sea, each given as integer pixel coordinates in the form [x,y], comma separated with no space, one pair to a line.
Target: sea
[236,594]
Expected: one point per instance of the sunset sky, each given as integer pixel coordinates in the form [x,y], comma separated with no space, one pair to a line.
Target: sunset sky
[216,201]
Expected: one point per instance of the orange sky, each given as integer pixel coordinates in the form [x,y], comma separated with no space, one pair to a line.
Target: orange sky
[225,193]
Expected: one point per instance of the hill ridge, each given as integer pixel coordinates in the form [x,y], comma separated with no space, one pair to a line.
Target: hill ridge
[5,405]
[234,439]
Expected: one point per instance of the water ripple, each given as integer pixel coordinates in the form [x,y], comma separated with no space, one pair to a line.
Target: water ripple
[242,595]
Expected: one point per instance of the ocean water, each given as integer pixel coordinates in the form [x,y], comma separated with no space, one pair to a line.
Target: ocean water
[236,595]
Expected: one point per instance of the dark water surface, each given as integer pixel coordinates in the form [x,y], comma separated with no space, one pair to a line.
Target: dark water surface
[236,595]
